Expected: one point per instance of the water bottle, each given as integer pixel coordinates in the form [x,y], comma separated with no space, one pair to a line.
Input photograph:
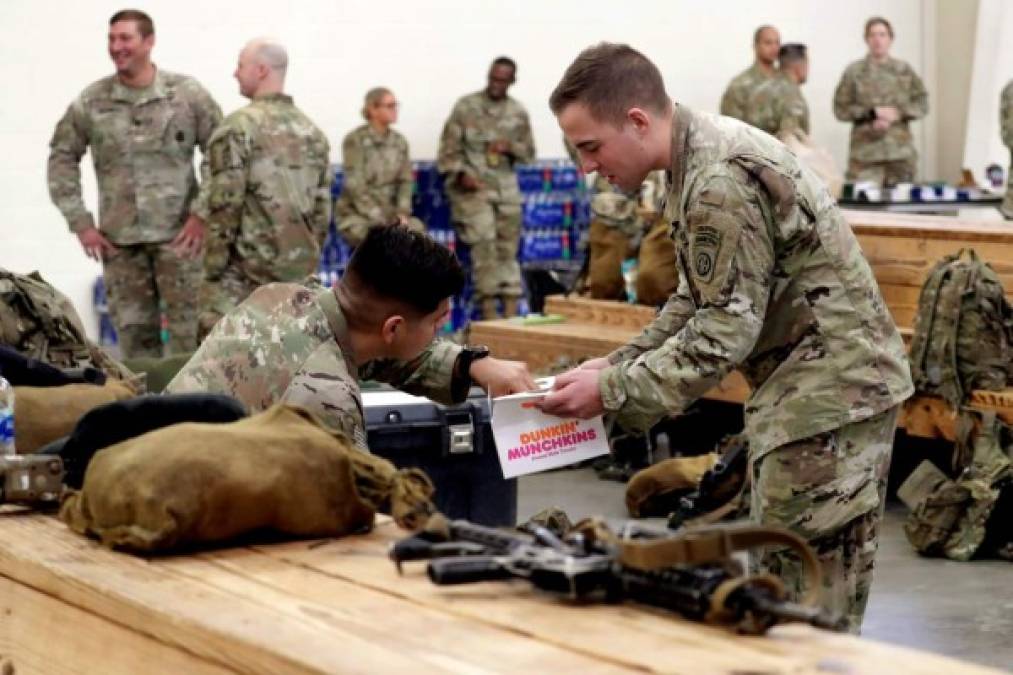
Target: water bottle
[6,417]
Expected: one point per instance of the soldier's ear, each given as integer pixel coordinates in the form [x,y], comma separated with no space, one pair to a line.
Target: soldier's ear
[391,327]
[639,118]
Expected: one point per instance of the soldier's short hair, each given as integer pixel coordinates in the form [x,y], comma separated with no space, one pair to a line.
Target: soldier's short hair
[145,26]
[373,96]
[758,33]
[404,266]
[610,79]
[505,61]
[793,52]
[873,21]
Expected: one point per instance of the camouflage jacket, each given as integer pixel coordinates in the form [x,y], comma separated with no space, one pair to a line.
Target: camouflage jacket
[378,176]
[142,144]
[865,85]
[269,193]
[1006,121]
[772,282]
[474,123]
[776,105]
[289,342]
[735,101]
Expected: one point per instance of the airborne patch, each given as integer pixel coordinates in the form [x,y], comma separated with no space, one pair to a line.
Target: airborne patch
[706,244]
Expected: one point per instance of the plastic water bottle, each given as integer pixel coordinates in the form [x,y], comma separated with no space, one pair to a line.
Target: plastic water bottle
[6,417]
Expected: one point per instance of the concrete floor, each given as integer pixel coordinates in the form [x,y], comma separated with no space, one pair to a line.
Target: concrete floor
[964,610]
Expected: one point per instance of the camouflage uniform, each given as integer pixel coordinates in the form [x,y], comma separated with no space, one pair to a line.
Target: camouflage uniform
[378,183]
[774,283]
[1006,119]
[886,157]
[489,219]
[735,101]
[776,105]
[142,144]
[289,342]
[269,197]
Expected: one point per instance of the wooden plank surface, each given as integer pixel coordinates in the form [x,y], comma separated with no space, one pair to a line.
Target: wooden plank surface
[338,606]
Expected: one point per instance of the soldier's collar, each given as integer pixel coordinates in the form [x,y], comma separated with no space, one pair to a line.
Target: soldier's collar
[154,91]
[680,132]
[279,96]
[339,326]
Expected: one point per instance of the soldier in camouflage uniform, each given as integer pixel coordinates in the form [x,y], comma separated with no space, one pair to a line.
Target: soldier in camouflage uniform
[736,100]
[309,345]
[880,96]
[487,134]
[773,283]
[142,125]
[1006,120]
[378,173]
[269,189]
[776,105]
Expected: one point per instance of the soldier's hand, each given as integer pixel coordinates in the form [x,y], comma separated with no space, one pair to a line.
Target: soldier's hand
[95,245]
[190,240]
[466,181]
[880,125]
[501,146]
[500,377]
[595,364]
[402,219]
[574,394]
[887,113]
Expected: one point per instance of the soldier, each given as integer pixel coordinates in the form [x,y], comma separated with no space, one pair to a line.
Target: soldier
[735,101]
[773,283]
[142,125]
[880,96]
[777,105]
[487,134]
[378,172]
[1006,120]
[270,189]
[310,345]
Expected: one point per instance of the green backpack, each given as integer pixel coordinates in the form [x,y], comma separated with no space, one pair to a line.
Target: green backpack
[962,332]
[41,323]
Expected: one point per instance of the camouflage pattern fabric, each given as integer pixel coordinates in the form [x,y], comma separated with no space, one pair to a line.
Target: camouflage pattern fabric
[865,85]
[218,299]
[142,143]
[771,281]
[735,100]
[1006,122]
[487,219]
[378,183]
[269,195]
[829,489]
[776,105]
[289,343]
[142,282]
[882,173]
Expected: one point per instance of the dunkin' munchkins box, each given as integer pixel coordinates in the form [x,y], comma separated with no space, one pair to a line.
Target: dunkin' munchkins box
[529,441]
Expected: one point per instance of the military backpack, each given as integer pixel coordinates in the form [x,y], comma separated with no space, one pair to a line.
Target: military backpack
[41,323]
[962,332]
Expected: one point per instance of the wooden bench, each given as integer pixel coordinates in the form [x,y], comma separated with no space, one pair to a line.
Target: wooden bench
[901,249]
[68,605]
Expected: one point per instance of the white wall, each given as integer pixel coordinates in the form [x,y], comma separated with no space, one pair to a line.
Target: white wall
[428,52]
[993,68]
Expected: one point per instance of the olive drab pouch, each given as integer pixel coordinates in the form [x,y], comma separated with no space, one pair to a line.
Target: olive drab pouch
[656,490]
[952,517]
[41,323]
[280,471]
[47,413]
[962,331]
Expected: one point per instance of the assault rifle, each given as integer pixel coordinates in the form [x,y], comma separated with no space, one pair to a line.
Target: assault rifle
[692,573]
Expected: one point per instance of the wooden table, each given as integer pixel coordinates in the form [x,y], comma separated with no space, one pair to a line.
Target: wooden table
[67,605]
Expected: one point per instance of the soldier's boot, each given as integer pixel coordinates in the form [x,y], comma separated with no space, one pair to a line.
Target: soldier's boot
[509,306]
[489,309]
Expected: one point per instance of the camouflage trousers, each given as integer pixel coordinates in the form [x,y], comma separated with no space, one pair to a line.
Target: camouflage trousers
[829,489]
[219,297]
[883,173]
[353,227]
[1007,203]
[492,229]
[143,281]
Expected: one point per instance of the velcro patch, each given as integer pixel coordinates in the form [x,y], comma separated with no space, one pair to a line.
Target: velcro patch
[706,244]
[714,238]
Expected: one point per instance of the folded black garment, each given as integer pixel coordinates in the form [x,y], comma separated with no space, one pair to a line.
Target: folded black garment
[22,371]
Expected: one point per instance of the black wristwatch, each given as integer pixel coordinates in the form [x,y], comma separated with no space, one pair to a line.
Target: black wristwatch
[462,382]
